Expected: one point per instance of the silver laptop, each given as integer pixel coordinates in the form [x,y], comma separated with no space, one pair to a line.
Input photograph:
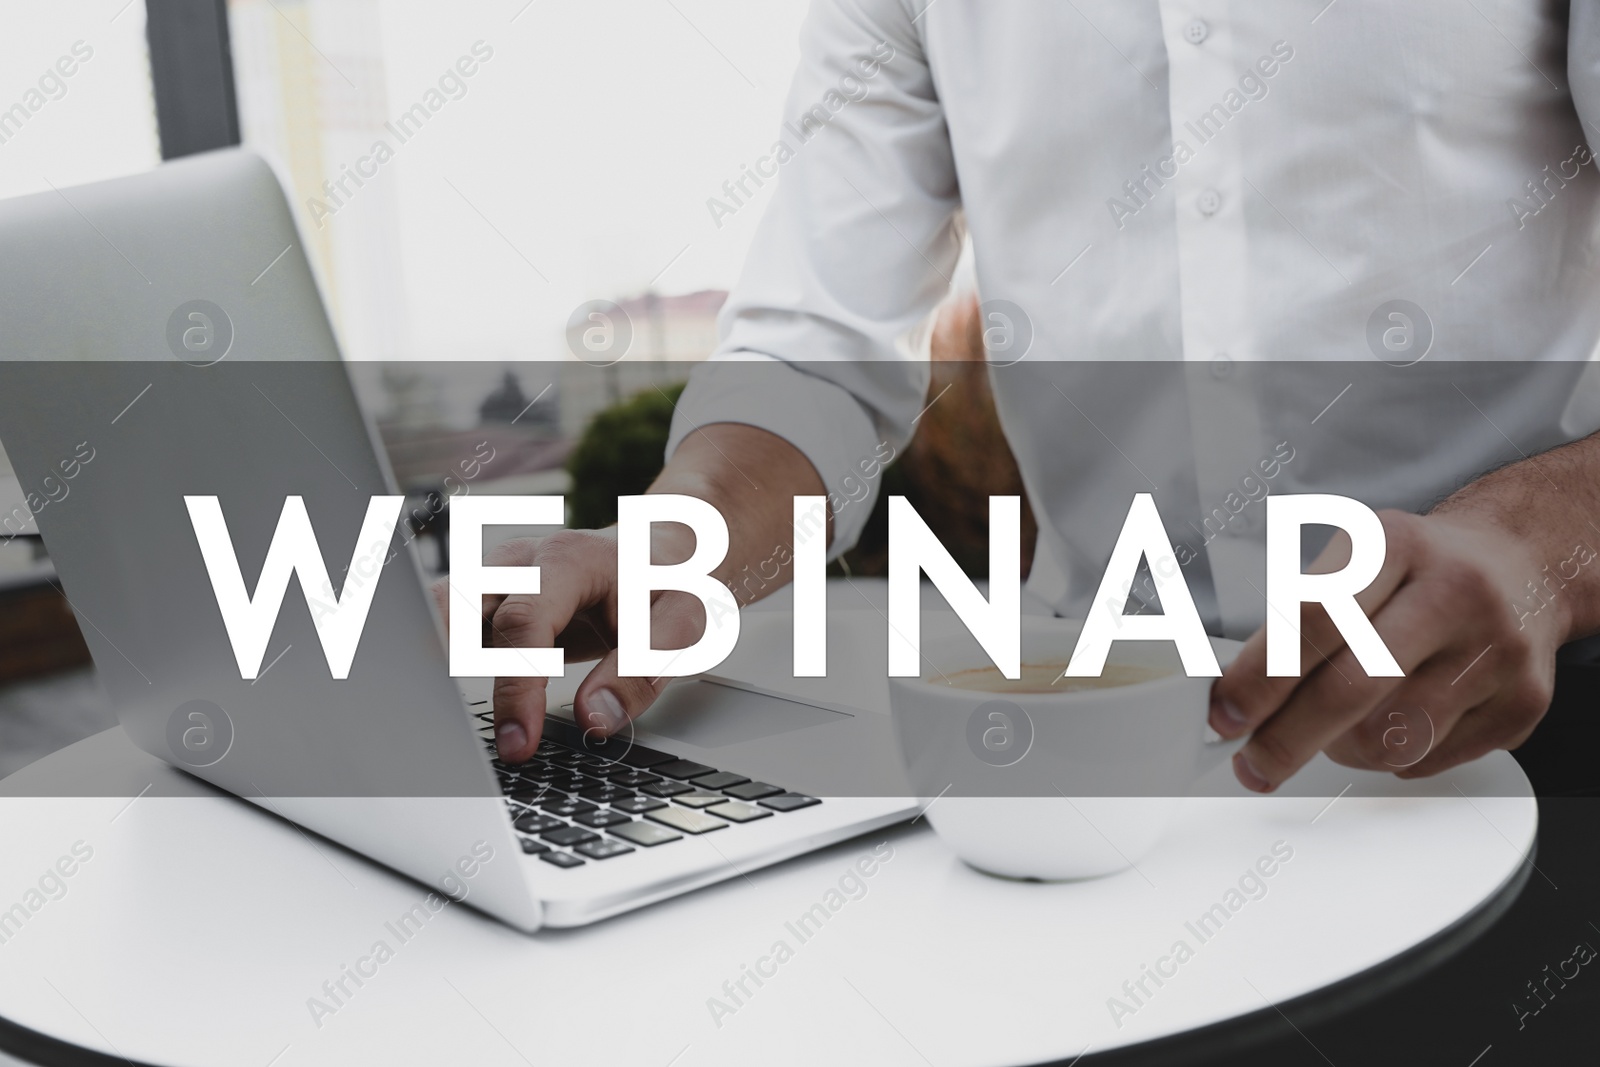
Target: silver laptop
[164,337]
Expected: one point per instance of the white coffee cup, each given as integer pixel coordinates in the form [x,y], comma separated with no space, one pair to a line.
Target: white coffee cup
[1061,784]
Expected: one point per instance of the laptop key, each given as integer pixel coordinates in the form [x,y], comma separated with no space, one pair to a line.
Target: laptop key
[647,834]
[569,835]
[645,758]
[666,789]
[605,794]
[613,748]
[561,859]
[630,777]
[535,823]
[682,768]
[734,811]
[719,780]
[789,802]
[700,800]
[753,791]
[567,807]
[690,822]
[603,850]
[532,847]
[588,742]
[599,820]
[637,805]
[560,731]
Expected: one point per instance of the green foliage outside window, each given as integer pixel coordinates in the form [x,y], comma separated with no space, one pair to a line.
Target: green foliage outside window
[619,454]
[622,450]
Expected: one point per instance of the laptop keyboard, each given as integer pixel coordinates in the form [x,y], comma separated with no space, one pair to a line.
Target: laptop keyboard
[571,804]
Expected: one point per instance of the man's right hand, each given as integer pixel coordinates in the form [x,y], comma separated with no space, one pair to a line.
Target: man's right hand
[576,610]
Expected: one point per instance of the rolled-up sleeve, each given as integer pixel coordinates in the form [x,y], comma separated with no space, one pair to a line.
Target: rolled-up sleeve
[856,248]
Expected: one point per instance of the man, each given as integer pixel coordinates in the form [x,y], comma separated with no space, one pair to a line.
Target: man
[1204,187]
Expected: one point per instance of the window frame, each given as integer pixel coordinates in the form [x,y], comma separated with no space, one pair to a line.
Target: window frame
[191,73]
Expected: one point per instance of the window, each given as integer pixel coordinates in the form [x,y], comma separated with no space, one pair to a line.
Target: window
[471,175]
[75,99]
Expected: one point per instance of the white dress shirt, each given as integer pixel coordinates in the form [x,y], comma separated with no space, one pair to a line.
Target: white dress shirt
[1224,188]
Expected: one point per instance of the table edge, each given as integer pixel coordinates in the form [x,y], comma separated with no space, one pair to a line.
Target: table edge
[1319,1005]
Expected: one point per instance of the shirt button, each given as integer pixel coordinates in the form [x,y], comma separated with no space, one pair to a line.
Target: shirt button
[1209,201]
[1196,31]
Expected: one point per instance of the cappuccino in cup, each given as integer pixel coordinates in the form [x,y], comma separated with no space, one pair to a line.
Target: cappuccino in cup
[1049,677]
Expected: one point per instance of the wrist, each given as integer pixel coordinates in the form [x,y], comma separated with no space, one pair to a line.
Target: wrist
[1546,571]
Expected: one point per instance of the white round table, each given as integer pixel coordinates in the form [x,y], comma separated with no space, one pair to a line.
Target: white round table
[200,929]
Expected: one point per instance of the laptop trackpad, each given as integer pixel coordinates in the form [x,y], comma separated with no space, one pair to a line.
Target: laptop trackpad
[710,715]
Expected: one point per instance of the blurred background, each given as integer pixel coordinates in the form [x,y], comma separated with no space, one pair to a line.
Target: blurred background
[529,270]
